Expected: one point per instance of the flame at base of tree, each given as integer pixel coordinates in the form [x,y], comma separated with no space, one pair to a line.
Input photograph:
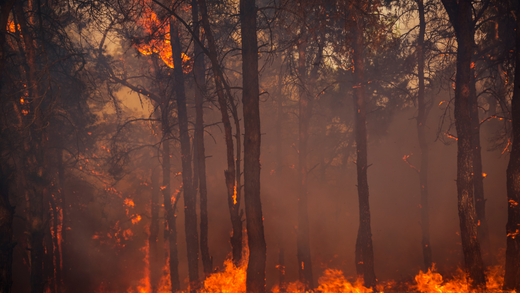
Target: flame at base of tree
[431,282]
[232,279]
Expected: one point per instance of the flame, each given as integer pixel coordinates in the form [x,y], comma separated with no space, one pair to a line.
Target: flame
[231,279]
[235,194]
[11,26]
[136,219]
[159,39]
[129,202]
[432,282]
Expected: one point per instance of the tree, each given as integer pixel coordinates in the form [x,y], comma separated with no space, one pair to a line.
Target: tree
[364,249]
[190,208]
[200,159]
[232,174]
[461,18]
[421,125]
[255,282]
[512,274]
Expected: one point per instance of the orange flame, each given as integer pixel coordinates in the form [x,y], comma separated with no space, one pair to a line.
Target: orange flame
[159,43]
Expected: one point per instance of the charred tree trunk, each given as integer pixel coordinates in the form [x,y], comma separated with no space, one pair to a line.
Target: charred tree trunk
[461,18]
[303,234]
[57,223]
[200,82]
[6,230]
[48,264]
[170,231]
[4,17]
[423,144]
[65,259]
[478,178]
[230,173]
[279,167]
[364,249]
[512,275]
[190,204]
[6,209]
[155,263]
[255,281]
[34,157]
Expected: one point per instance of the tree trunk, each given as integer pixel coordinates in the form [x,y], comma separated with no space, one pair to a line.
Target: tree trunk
[6,230]
[170,231]
[364,249]
[423,144]
[154,260]
[255,280]
[57,223]
[200,83]
[190,203]
[4,18]
[461,18]
[279,167]
[65,267]
[303,235]
[48,264]
[478,178]
[512,274]
[34,158]
[230,174]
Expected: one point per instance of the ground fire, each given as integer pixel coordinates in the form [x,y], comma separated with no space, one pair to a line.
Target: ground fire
[257,146]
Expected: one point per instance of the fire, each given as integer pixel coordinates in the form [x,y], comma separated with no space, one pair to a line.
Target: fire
[235,194]
[231,279]
[432,282]
[159,39]
[11,26]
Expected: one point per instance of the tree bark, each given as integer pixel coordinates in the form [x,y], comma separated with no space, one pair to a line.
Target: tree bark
[233,188]
[6,230]
[200,83]
[190,204]
[364,249]
[65,259]
[170,231]
[34,158]
[460,15]
[303,234]
[478,178]
[153,238]
[512,274]
[423,143]
[255,280]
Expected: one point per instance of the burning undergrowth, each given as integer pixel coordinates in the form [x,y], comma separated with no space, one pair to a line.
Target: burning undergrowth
[231,278]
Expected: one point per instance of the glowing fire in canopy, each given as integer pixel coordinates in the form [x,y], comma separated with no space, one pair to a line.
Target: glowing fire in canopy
[158,39]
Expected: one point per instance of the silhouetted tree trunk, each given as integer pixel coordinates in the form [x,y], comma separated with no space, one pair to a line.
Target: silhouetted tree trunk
[423,144]
[200,84]
[48,264]
[512,274]
[6,230]
[364,249]
[190,205]
[279,167]
[303,235]
[170,231]
[65,259]
[6,175]
[233,188]
[4,17]
[34,156]
[478,178]
[460,15]
[255,282]
[153,238]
